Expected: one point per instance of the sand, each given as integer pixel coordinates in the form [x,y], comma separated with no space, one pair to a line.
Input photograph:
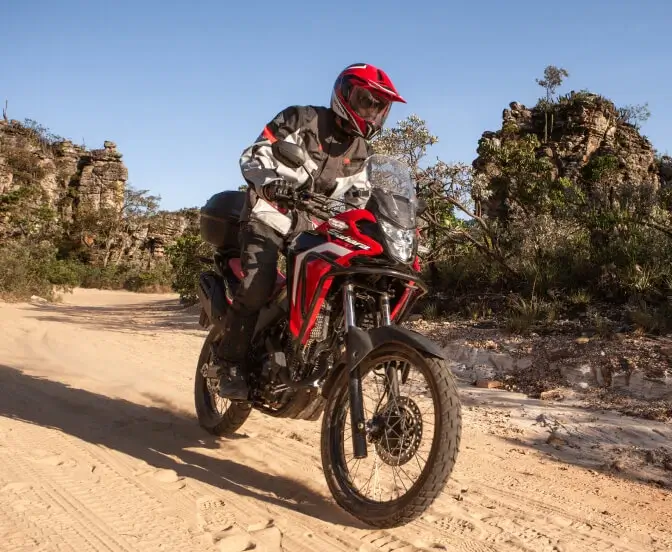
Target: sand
[100,450]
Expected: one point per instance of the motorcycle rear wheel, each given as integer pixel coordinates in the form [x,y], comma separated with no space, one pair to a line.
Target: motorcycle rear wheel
[336,444]
[218,421]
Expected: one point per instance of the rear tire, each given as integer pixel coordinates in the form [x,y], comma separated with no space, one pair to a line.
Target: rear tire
[209,418]
[442,456]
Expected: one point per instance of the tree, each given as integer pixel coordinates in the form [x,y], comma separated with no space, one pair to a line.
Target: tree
[553,77]
[445,187]
[408,141]
[634,115]
[139,204]
[109,222]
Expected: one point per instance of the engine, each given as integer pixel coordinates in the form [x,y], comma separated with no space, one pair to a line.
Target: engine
[281,364]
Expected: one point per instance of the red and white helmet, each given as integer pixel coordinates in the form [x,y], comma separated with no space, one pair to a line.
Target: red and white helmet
[362,96]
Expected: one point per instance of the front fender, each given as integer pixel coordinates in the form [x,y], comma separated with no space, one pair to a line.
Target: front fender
[361,343]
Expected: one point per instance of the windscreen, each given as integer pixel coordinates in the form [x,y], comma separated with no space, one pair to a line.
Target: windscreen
[393,189]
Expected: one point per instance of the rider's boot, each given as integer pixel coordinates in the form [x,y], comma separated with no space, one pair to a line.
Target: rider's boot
[231,356]
[232,383]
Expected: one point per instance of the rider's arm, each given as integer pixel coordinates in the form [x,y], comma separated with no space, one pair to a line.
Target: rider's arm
[356,187]
[257,163]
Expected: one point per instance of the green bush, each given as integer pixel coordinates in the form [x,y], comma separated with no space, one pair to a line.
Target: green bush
[157,279]
[186,266]
[28,269]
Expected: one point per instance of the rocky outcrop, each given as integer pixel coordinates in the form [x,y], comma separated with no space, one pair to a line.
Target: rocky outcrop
[100,178]
[146,242]
[75,182]
[575,132]
[665,169]
[62,170]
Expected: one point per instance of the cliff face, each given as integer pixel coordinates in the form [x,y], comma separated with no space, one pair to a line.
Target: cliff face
[574,135]
[70,176]
[665,168]
[144,242]
[75,186]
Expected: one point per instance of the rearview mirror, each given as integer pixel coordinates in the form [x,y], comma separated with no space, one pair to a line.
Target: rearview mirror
[289,154]
[422,206]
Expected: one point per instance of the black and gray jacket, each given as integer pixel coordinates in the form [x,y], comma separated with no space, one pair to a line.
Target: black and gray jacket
[336,160]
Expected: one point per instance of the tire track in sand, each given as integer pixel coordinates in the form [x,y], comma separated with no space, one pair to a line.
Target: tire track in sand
[105,509]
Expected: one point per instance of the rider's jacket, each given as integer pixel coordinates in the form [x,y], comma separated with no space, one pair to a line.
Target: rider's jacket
[335,159]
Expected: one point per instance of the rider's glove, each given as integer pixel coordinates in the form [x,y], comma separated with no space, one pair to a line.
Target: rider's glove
[276,190]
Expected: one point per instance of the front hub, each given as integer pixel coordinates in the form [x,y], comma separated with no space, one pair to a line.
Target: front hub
[396,431]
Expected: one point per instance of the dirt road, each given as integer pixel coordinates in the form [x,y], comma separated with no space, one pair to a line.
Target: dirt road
[100,450]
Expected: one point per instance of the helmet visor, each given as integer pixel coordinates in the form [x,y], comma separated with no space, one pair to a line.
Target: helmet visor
[368,106]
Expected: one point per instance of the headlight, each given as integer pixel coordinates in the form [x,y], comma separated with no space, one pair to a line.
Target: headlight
[400,241]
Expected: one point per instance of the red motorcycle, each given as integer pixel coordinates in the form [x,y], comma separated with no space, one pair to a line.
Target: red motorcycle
[331,329]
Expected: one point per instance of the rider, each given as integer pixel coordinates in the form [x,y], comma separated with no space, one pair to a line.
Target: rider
[336,140]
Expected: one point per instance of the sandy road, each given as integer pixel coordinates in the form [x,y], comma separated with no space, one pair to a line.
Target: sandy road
[99,450]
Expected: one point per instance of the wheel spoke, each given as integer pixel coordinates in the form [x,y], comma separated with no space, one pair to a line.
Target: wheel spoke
[398,427]
[412,437]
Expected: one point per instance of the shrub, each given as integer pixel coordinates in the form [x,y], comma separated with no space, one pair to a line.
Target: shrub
[28,269]
[186,266]
[156,280]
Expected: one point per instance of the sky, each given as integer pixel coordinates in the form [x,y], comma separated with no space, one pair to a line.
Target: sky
[182,88]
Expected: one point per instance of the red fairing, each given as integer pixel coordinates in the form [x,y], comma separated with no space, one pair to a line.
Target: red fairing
[342,242]
[341,251]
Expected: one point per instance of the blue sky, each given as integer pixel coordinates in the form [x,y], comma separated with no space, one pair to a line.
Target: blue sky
[184,88]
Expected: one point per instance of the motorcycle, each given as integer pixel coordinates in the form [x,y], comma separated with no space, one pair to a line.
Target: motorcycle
[333,323]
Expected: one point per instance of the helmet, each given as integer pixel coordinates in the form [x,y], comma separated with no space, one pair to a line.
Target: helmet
[362,97]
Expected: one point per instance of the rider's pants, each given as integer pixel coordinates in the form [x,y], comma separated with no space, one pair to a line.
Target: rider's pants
[260,250]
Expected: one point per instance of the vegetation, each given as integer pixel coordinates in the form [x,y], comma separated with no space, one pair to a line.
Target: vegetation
[40,253]
[186,265]
[512,237]
[553,77]
[634,115]
[548,246]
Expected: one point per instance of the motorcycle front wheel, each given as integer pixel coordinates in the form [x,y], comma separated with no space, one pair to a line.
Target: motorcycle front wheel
[417,447]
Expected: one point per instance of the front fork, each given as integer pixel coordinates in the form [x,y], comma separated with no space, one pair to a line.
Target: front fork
[357,416]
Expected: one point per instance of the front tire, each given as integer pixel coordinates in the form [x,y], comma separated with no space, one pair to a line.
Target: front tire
[404,450]
[221,421]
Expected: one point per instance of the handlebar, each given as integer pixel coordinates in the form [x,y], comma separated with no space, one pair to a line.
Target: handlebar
[309,202]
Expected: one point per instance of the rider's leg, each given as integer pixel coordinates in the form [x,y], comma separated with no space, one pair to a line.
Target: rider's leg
[260,248]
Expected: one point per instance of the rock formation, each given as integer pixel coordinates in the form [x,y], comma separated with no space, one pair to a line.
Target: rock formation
[665,169]
[97,177]
[75,183]
[577,130]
